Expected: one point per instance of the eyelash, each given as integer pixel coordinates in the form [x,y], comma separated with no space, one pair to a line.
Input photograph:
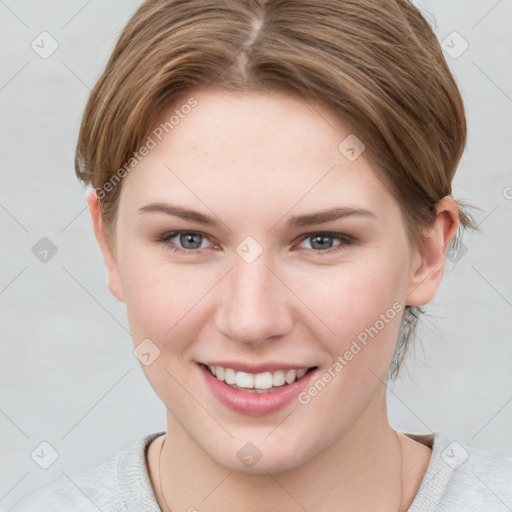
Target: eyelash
[344,240]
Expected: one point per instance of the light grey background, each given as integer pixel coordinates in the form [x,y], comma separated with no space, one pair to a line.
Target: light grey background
[68,375]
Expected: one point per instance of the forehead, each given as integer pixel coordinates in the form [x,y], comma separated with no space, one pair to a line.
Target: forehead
[257,151]
[253,126]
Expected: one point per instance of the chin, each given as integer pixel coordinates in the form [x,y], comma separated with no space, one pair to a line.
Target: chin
[275,463]
[261,455]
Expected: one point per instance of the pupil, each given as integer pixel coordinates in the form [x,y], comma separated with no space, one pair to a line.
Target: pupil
[322,245]
[189,238]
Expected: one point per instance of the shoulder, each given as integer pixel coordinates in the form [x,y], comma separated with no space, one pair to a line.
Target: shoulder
[85,489]
[107,486]
[480,476]
[462,477]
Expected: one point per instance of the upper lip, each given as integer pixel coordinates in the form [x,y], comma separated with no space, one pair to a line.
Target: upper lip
[240,366]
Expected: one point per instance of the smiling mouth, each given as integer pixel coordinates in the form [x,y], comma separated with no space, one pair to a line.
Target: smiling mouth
[265,382]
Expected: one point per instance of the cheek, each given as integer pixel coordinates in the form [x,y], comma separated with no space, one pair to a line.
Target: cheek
[362,304]
[167,301]
[349,297]
[163,300]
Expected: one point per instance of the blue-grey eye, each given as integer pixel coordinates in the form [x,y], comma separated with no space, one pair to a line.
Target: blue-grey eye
[190,240]
[324,241]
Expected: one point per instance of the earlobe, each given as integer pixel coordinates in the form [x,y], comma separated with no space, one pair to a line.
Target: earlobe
[114,278]
[429,261]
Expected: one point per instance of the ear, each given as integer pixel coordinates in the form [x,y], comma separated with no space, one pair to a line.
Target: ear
[428,263]
[114,278]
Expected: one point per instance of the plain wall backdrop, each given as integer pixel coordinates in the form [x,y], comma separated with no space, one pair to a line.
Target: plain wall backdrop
[68,374]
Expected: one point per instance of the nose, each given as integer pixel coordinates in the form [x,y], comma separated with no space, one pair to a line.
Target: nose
[255,304]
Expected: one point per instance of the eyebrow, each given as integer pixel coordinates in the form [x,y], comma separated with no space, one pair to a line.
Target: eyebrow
[297,221]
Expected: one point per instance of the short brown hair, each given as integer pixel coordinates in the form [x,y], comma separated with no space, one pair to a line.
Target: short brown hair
[376,63]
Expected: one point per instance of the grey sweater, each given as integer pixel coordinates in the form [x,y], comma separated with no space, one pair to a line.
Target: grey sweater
[459,478]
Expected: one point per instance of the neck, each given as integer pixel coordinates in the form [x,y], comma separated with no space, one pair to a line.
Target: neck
[368,456]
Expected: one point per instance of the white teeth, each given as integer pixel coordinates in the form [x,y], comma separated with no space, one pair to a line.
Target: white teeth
[230,376]
[220,373]
[278,378]
[258,381]
[290,376]
[263,380]
[244,380]
[300,373]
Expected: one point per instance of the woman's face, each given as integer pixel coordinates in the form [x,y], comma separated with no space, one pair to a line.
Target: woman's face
[263,286]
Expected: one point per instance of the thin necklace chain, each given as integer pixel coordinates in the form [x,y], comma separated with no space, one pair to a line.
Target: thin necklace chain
[168,509]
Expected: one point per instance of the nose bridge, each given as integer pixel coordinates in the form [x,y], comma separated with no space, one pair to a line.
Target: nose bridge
[253,302]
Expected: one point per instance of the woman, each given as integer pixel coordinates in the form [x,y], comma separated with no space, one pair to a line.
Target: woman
[271,192]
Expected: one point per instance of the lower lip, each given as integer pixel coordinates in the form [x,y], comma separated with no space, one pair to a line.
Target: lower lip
[255,404]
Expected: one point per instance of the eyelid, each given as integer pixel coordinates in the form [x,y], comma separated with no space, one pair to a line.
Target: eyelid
[333,234]
[343,239]
[165,238]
